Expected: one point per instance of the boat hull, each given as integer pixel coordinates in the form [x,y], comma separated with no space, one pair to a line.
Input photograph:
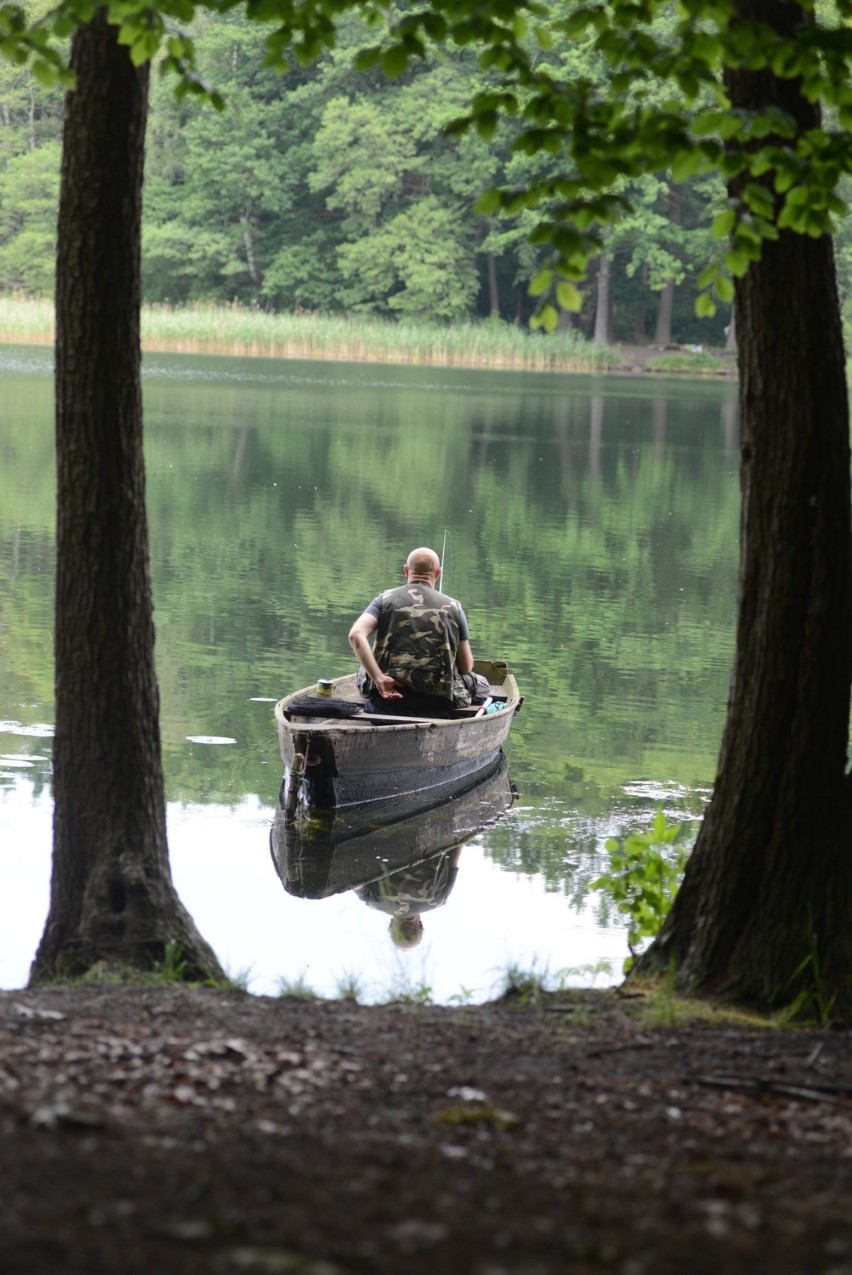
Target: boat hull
[333,763]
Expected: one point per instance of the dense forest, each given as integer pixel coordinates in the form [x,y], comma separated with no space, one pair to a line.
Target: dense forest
[332,190]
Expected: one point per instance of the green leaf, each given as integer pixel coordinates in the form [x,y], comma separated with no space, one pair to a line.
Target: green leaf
[737,262]
[366,59]
[705,306]
[395,61]
[548,317]
[569,296]
[724,289]
[688,164]
[541,283]
[486,124]
[46,74]
[723,224]
[489,202]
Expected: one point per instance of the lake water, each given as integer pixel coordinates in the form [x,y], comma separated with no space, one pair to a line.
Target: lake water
[592,537]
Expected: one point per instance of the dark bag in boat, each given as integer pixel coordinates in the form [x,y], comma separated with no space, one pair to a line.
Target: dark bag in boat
[470,688]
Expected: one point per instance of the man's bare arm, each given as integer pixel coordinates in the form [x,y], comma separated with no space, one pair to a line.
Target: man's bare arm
[464,658]
[359,639]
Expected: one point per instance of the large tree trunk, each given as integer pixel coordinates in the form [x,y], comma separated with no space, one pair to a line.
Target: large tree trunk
[764,909]
[112,895]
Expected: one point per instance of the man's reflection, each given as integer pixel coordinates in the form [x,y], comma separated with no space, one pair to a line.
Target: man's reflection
[404,867]
[409,892]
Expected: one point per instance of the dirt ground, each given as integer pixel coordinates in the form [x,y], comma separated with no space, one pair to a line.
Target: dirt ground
[179,1130]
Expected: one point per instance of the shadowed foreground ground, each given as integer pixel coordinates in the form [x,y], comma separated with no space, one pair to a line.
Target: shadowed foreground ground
[177,1130]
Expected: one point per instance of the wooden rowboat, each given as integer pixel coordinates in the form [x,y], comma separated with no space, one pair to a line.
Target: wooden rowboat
[336,761]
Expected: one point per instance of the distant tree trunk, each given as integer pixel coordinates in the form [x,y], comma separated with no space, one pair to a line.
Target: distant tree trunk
[248,241]
[639,316]
[493,289]
[764,909]
[32,118]
[602,331]
[731,332]
[663,330]
[111,890]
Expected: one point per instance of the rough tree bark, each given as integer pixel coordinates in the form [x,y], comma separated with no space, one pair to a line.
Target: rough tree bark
[112,895]
[764,909]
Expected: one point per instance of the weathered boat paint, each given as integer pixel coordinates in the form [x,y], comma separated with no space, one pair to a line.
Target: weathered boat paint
[333,762]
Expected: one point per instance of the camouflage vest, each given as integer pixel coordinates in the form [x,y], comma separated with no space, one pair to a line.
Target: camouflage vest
[418,637]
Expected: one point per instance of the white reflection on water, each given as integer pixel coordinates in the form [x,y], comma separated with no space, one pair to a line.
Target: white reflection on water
[223,872]
[38,730]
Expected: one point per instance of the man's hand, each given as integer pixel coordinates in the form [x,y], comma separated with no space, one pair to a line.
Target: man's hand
[387,687]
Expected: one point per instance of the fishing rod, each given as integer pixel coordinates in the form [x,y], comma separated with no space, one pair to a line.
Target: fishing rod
[443,552]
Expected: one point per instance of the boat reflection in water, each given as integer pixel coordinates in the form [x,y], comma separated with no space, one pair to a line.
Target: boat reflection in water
[399,854]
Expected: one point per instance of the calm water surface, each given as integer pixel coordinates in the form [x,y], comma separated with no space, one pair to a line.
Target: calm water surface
[593,530]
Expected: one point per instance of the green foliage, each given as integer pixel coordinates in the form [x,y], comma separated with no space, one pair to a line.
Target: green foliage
[297,988]
[410,993]
[173,968]
[691,364]
[29,190]
[644,875]
[580,107]
[525,986]
[328,189]
[350,988]
[464,996]
[813,1002]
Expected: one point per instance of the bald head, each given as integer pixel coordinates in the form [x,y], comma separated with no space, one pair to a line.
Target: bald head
[422,564]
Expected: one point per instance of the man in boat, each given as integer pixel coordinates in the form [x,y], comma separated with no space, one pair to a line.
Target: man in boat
[422,645]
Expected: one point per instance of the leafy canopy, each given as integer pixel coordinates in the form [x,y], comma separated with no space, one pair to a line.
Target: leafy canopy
[666,108]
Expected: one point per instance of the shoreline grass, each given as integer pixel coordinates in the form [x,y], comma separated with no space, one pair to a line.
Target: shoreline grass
[227,330]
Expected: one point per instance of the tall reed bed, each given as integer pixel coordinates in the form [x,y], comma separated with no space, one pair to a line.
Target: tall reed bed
[210,329]
[231,330]
[24,321]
